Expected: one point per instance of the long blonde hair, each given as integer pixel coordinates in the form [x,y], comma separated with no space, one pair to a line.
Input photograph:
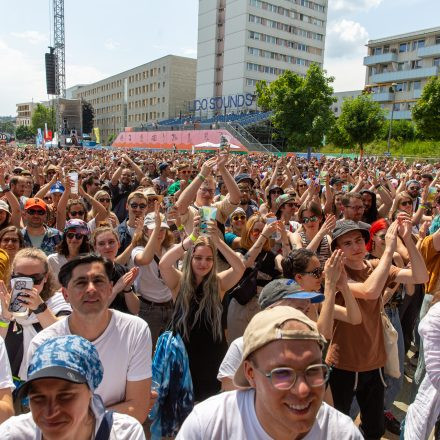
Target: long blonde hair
[209,308]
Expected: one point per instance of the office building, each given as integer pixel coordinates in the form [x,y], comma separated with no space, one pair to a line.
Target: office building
[243,41]
[398,67]
[151,92]
[25,111]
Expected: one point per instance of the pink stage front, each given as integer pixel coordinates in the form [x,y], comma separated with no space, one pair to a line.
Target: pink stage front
[183,140]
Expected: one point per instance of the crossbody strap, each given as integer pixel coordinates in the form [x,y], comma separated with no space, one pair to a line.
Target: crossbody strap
[106,427]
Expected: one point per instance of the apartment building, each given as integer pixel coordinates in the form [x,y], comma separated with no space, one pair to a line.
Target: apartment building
[398,67]
[243,41]
[157,90]
[24,113]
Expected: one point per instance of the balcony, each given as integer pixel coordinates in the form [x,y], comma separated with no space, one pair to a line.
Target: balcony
[403,75]
[382,97]
[399,114]
[429,51]
[383,58]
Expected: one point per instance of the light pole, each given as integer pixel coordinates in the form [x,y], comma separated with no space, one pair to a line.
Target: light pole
[392,90]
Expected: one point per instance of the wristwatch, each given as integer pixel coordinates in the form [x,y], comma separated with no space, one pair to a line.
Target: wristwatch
[40,309]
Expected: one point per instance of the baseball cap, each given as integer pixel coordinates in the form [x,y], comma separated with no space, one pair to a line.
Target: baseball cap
[244,177]
[150,221]
[80,226]
[4,206]
[285,288]
[282,199]
[71,358]
[266,327]
[57,188]
[344,227]
[35,202]
[238,210]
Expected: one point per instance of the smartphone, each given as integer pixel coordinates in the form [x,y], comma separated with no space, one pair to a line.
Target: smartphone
[19,284]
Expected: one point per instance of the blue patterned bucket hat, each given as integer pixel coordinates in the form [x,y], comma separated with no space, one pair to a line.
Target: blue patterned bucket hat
[70,358]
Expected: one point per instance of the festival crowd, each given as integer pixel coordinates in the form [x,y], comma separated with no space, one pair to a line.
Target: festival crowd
[195,296]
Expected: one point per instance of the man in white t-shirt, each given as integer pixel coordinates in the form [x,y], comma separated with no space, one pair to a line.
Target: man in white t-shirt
[123,341]
[6,385]
[285,378]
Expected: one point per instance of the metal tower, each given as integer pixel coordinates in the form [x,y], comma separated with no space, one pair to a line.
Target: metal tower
[59,46]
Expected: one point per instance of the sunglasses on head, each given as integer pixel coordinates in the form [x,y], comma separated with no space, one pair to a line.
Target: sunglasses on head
[138,205]
[75,213]
[37,278]
[406,203]
[238,217]
[313,218]
[35,211]
[77,235]
[317,273]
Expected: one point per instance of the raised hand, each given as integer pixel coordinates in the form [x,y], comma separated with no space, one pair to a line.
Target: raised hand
[391,236]
[329,224]
[5,299]
[333,267]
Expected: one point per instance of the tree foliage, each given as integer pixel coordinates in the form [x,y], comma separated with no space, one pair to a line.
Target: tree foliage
[426,112]
[24,132]
[7,127]
[88,116]
[361,120]
[402,130]
[43,115]
[301,106]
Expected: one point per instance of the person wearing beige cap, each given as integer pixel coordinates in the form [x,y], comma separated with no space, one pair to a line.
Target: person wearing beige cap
[283,380]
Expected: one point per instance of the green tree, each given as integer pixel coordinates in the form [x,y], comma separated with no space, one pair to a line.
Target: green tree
[361,120]
[7,127]
[88,115]
[337,137]
[24,132]
[301,106]
[43,115]
[426,111]
[402,130]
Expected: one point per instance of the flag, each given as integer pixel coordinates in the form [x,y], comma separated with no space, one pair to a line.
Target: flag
[97,134]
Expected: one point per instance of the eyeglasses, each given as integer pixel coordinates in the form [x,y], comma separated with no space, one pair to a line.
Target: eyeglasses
[313,218]
[406,203]
[77,235]
[75,213]
[317,273]
[238,217]
[36,212]
[9,240]
[356,208]
[138,205]
[37,278]
[104,200]
[284,378]
[207,190]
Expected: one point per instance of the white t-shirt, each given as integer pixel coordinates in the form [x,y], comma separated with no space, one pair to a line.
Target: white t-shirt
[148,284]
[55,262]
[124,349]
[232,359]
[23,427]
[5,368]
[232,415]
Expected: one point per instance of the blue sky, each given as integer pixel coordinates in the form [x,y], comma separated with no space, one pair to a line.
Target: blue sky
[107,37]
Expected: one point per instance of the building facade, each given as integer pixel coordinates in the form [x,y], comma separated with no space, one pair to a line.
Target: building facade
[243,41]
[24,113]
[398,68]
[340,97]
[153,91]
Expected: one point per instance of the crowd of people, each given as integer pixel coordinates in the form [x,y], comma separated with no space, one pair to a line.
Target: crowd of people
[216,295]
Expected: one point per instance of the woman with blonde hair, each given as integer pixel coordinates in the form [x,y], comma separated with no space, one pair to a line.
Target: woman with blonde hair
[44,303]
[104,198]
[199,290]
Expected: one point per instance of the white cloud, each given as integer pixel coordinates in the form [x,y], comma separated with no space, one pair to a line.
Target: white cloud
[354,5]
[345,38]
[111,44]
[349,73]
[189,52]
[82,74]
[32,37]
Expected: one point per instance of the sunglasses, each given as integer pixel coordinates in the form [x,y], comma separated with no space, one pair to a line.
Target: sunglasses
[414,188]
[138,205]
[317,273]
[104,200]
[186,172]
[75,213]
[302,185]
[36,212]
[313,218]
[37,278]
[239,217]
[77,235]
[406,203]
[276,192]
[47,199]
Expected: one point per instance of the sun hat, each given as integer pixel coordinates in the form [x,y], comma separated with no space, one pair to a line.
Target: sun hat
[266,327]
[35,202]
[285,288]
[4,206]
[80,226]
[345,226]
[71,358]
[150,221]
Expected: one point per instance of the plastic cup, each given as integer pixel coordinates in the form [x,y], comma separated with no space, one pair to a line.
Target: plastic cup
[74,177]
[207,213]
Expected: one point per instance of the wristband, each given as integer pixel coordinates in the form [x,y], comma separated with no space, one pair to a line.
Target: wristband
[180,228]
[202,178]
[424,206]
[192,237]
[183,247]
[4,324]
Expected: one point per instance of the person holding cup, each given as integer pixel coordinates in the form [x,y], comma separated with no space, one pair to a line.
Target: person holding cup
[199,289]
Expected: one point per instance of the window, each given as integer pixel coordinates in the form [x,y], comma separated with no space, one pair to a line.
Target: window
[436,62]
[377,51]
[437,39]
[418,44]
[417,85]
[404,47]
[416,64]
[386,49]
[401,87]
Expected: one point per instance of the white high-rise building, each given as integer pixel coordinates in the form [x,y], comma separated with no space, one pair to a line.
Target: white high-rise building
[243,41]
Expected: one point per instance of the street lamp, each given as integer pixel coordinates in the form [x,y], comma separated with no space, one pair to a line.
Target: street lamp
[392,90]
